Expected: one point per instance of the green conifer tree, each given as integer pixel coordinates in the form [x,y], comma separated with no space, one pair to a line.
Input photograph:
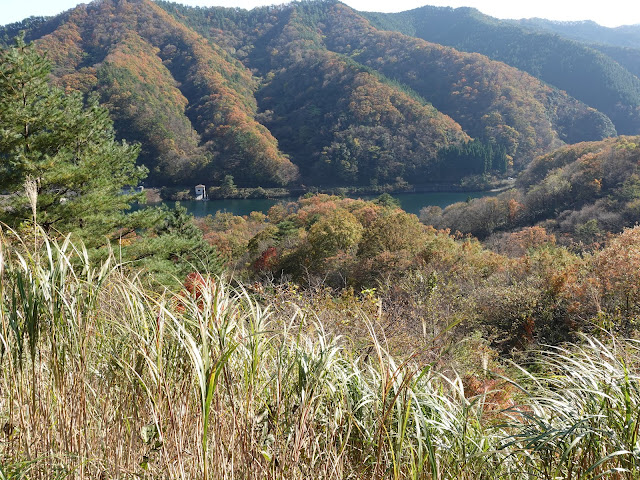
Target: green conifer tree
[65,147]
[80,177]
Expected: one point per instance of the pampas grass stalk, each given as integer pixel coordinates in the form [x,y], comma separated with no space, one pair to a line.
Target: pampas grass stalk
[103,378]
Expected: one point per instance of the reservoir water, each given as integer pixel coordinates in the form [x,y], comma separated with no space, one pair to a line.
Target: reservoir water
[410,202]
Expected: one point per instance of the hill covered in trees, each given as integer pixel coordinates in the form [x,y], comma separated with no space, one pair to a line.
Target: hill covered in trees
[308,93]
[584,72]
[579,192]
[587,31]
[187,102]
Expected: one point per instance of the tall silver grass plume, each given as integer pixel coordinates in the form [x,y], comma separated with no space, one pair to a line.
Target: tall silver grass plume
[31,189]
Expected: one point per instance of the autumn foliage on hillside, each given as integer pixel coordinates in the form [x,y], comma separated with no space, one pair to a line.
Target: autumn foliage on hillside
[308,93]
[608,83]
[579,192]
[346,125]
[188,102]
[427,283]
[489,99]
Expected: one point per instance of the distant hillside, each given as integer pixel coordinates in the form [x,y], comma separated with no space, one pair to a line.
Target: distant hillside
[621,44]
[488,98]
[306,93]
[501,104]
[587,31]
[352,126]
[580,191]
[585,73]
[628,57]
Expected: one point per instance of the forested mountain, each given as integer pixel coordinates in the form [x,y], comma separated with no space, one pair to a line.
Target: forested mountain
[628,57]
[491,101]
[622,44]
[312,93]
[587,31]
[188,103]
[342,121]
[584,72]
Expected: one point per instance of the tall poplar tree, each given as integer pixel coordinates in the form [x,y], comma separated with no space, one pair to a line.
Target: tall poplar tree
[64,146]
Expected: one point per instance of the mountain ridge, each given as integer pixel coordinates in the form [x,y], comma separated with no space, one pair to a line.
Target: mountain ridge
[591,76]
[211,92]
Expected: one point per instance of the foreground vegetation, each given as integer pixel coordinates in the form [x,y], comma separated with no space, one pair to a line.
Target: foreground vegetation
[105,378]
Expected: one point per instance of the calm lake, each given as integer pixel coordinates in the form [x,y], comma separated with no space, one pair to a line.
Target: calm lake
[410,202]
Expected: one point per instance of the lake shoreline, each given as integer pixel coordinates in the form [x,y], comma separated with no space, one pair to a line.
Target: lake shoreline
[182,193]
[411,202]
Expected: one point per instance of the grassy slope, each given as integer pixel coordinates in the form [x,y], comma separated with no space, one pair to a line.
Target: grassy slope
[104,378]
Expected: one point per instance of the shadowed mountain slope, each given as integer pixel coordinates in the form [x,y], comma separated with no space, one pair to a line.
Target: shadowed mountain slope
[584,72]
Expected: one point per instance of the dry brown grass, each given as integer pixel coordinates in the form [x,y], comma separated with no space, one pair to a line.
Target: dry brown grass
[102,378]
